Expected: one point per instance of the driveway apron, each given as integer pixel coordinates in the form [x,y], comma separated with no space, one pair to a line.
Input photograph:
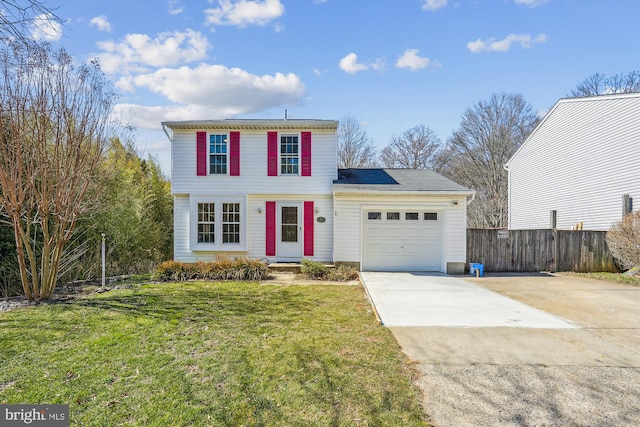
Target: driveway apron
[436,299]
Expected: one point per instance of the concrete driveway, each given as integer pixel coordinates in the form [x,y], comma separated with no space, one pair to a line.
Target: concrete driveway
[517,350]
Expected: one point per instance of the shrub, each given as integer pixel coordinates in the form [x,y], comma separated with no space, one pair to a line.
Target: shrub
[313,269]
[343,273]
[317,270]
[222,268]
[624,240]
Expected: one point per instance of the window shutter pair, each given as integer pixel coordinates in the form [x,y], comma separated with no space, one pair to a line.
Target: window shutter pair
[201,153]
[272,154]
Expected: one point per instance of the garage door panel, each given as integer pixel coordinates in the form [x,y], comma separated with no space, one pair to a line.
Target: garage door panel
[406,243]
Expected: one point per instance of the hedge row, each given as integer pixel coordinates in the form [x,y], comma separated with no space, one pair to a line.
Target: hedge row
[221,269]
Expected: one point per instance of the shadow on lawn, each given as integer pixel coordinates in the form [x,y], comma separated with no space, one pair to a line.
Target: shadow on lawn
[200,304]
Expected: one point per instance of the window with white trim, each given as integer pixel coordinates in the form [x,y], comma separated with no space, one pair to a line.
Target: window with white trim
[289,155]
[218,223]
[218,154]
[206,222]
[231,223]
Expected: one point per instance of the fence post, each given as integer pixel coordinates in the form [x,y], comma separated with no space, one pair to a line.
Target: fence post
[553,265]
[627,206]
[103,262]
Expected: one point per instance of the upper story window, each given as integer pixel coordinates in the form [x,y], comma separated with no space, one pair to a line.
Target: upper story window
[289,155]
[217,154]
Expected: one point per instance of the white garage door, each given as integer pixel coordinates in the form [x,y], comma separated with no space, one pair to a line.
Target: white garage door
[402,240]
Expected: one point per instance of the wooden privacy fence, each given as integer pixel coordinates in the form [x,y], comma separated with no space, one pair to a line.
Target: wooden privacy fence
[540,250]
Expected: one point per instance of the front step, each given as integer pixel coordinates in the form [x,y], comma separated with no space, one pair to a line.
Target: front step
[290,267]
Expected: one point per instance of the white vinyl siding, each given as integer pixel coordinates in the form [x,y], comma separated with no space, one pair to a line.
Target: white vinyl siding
[349,227]
[255,228]
[253,166]
[580,161]
[323,232]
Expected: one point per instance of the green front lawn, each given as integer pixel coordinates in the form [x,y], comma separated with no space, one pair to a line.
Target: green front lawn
[210,354]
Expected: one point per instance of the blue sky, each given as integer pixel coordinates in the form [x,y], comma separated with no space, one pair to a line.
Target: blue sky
[392,64]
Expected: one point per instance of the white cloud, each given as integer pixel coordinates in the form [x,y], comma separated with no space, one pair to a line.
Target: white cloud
[175,7]
[531,3]
[244,12]
[349,64]
[410,59]
[101,22]
[138,52]
[493,45]
[434,4]
[45,28]
[211,91]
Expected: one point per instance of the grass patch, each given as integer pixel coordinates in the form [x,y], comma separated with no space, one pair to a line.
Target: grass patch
[626,279]
[210,354]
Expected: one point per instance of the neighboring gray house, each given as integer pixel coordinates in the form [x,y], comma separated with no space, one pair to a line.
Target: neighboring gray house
[582,161]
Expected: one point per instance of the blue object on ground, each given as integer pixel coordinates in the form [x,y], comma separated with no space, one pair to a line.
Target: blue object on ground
[475,266]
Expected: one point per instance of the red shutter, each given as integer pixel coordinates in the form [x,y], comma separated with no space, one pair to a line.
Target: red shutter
[234,153]
[309,221]
[201,153]
[270,249]
[306,153]
[272,153]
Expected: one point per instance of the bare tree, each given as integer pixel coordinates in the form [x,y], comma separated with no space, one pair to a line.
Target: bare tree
[599,84]
[415,149]
[355,148]
[489,134]
[54,124]
[18,17]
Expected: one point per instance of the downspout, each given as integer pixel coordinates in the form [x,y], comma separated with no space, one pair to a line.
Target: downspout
[164,128]
[506,167]
[471,198]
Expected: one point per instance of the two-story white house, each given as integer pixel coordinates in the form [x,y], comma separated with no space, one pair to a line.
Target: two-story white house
[582,163]
[272,189]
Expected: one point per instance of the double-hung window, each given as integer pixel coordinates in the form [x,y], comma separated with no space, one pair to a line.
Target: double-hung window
[231,223]
[206,223]
[289,155]
[218,223]
[217,154]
